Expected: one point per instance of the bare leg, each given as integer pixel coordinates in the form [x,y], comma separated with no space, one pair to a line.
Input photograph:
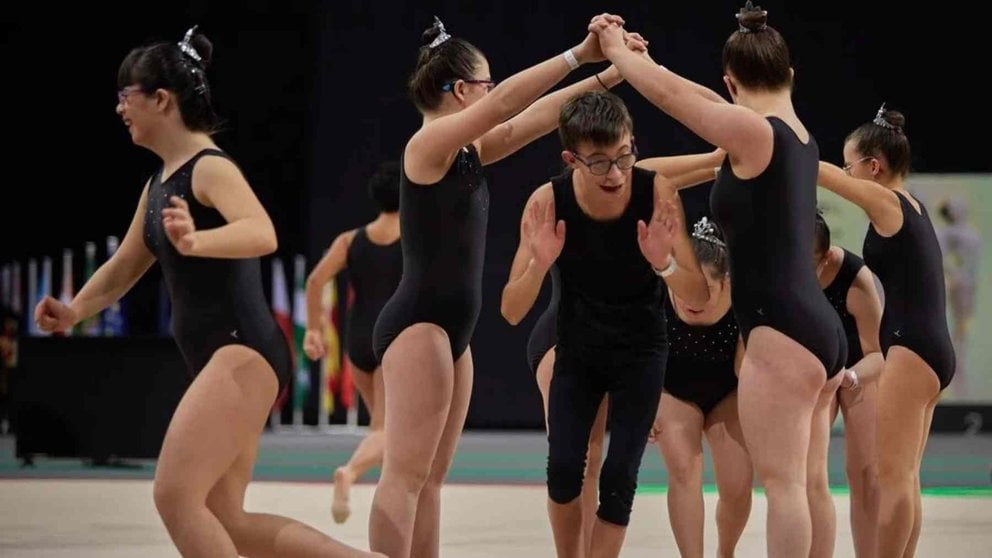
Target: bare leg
[734,473]
[419,384]
[680,438]
[907,391]
[860,412]
[780,382]
[368,454]
[821,503]
[206,463]
[427,528]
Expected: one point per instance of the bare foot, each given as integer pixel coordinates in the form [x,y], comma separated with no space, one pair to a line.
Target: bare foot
[340,510]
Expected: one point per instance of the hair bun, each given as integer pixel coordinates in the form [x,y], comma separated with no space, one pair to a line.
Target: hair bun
[895,118]
[203,46]
[752,18]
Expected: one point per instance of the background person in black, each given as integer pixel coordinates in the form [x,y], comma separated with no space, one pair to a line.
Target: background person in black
[200,219]
[850,288]
[765,195]
[902,249]
[423,333]
[373,258]
[622,228]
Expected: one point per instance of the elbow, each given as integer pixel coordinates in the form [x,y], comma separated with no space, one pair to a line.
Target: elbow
[506,310]
[312,285]
[268,243]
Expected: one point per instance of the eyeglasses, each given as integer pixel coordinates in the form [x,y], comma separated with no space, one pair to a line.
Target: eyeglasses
[490,84]
[847,168]
[123,94]
[601,167]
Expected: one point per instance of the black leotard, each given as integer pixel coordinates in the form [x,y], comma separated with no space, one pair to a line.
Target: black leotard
[836,293]
[768,225]
[443,227]
[701,359]
[374,270]
[215,301]
[910,266]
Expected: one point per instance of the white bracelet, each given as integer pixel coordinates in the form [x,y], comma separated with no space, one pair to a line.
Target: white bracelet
[663,273]
[570,59]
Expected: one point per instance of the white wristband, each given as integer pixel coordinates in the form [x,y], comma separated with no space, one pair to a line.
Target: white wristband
[570,59]
[672,266]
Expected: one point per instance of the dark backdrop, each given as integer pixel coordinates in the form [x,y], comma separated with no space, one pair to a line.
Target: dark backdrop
[313,94]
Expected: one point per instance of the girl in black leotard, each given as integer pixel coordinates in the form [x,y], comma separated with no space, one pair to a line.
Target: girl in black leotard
[764,200]
[372,256]
[850,288]
[701,397]
[199,218]
[423,332]
[901,248]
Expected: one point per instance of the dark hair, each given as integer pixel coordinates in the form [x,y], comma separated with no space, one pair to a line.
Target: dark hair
[164,65]
[821,234]
[708,252]
[884,136]
[384,187]
[756,54]
[453,59]
[598,117]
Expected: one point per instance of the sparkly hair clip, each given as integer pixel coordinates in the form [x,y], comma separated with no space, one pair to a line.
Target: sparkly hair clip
[881,121]
[748,9]
[195,70]
[706,230]
[441,37]
[187,48]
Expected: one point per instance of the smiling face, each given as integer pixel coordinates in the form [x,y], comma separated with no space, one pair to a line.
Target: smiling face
[138,111]
[608,168]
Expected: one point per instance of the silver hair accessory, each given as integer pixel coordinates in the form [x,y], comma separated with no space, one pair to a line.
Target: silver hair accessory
[749,8]
[441,37]
[187,47]
[881,121]
[706,230]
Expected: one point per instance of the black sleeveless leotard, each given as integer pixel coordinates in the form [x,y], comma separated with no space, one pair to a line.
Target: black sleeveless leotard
[910,266]
[215,301]
[374,270]
[836,293]
[443,227]
[768,224]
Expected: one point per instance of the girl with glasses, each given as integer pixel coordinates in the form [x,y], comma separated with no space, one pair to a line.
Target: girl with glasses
[199,218]
[422,335]
[902,248]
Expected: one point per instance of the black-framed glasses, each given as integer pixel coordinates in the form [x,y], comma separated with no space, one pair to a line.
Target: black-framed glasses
[490,84]
[601,167]
[847,168]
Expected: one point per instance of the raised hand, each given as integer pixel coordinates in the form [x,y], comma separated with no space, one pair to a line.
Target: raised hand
[544,235]
[589,49]
[611,35]
[179,226]
[657,237]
